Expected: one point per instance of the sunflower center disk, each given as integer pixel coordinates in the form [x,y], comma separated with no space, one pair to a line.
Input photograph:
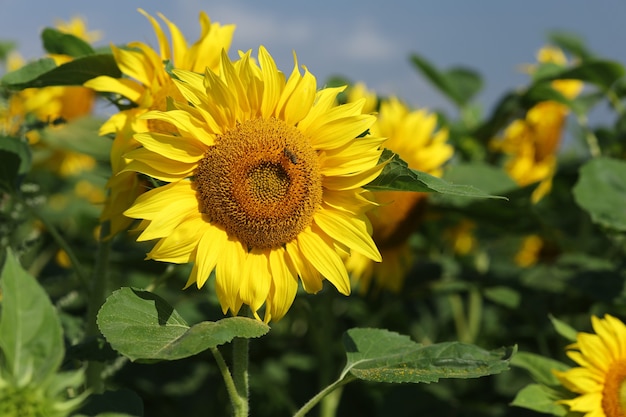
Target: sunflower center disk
[261,182]
[614,392]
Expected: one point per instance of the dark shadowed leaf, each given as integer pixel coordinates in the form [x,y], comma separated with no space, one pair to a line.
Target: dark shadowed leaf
[141,325]
[57,42]
[44,72]
[397,176]
[383,356]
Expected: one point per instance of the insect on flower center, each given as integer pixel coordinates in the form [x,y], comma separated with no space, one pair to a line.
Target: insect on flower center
[614,392]
[261,182]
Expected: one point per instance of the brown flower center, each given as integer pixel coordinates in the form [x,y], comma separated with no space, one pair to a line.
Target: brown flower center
[614,391]
[261,182]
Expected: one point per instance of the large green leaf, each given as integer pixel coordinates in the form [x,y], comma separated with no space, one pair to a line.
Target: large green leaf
[458,84]
[539,367]
[541,399]
[141,325]
[397,176]
[57,42]
[45,72]
[383,356]
[601,191]
[31,338]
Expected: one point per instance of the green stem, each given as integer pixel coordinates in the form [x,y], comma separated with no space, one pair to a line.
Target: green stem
[240,374]
[50,228]
[326,391]
[228,379]
[97,296]
[475,312]
[590,138]
[458,314]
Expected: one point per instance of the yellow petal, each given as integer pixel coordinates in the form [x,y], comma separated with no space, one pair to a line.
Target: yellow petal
[228,274]
[255,279]
[181,243]
[351,181]
[273,83]
[324,259]
[311,278]
[208,252]
[284,285]
[349,230]
[151,203]
[179,148]
[122,86]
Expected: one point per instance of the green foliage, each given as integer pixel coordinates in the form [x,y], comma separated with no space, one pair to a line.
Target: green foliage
[382,356]
[44,72]
[458,84]
[397,176]
[57,42]
[603,176]
[141,325]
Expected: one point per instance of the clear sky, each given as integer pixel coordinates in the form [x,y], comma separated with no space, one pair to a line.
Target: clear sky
[363,40]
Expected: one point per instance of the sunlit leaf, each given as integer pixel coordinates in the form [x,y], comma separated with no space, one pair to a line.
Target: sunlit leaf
[539,367]
[601,191]
[31,338]
[57,42]
[397,176]
[541,399]
[141,325]
[383,356]
[564,329]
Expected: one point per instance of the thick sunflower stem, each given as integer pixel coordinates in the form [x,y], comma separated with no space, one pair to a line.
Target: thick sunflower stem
[240,375]
[97,295]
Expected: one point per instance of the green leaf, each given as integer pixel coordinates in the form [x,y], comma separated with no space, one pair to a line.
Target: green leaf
[539,367]
[458,84]
[141,325]
[602,73]
[57,42]
[5,48]
[9,170]
[382,356]
[31,338]
[541,399]
[397,176]
[601,191]
[571,43]
[20,148]
[564,329]
[502,295]
[44,72]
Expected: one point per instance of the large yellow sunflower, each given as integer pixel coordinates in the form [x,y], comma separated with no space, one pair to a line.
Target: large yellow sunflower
[414,136]
[147,85]
[264,180]
[533,142]
[601,377]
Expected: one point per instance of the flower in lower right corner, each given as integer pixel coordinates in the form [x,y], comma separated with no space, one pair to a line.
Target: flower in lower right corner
[600,380]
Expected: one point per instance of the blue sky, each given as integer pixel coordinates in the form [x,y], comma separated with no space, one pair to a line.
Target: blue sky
[365,41]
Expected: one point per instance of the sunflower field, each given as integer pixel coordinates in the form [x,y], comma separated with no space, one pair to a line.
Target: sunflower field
[240,239]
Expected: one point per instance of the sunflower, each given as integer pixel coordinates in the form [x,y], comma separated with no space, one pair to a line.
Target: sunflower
[263,183]
[600,378]
[533,142]
[146,86]
[414,136]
